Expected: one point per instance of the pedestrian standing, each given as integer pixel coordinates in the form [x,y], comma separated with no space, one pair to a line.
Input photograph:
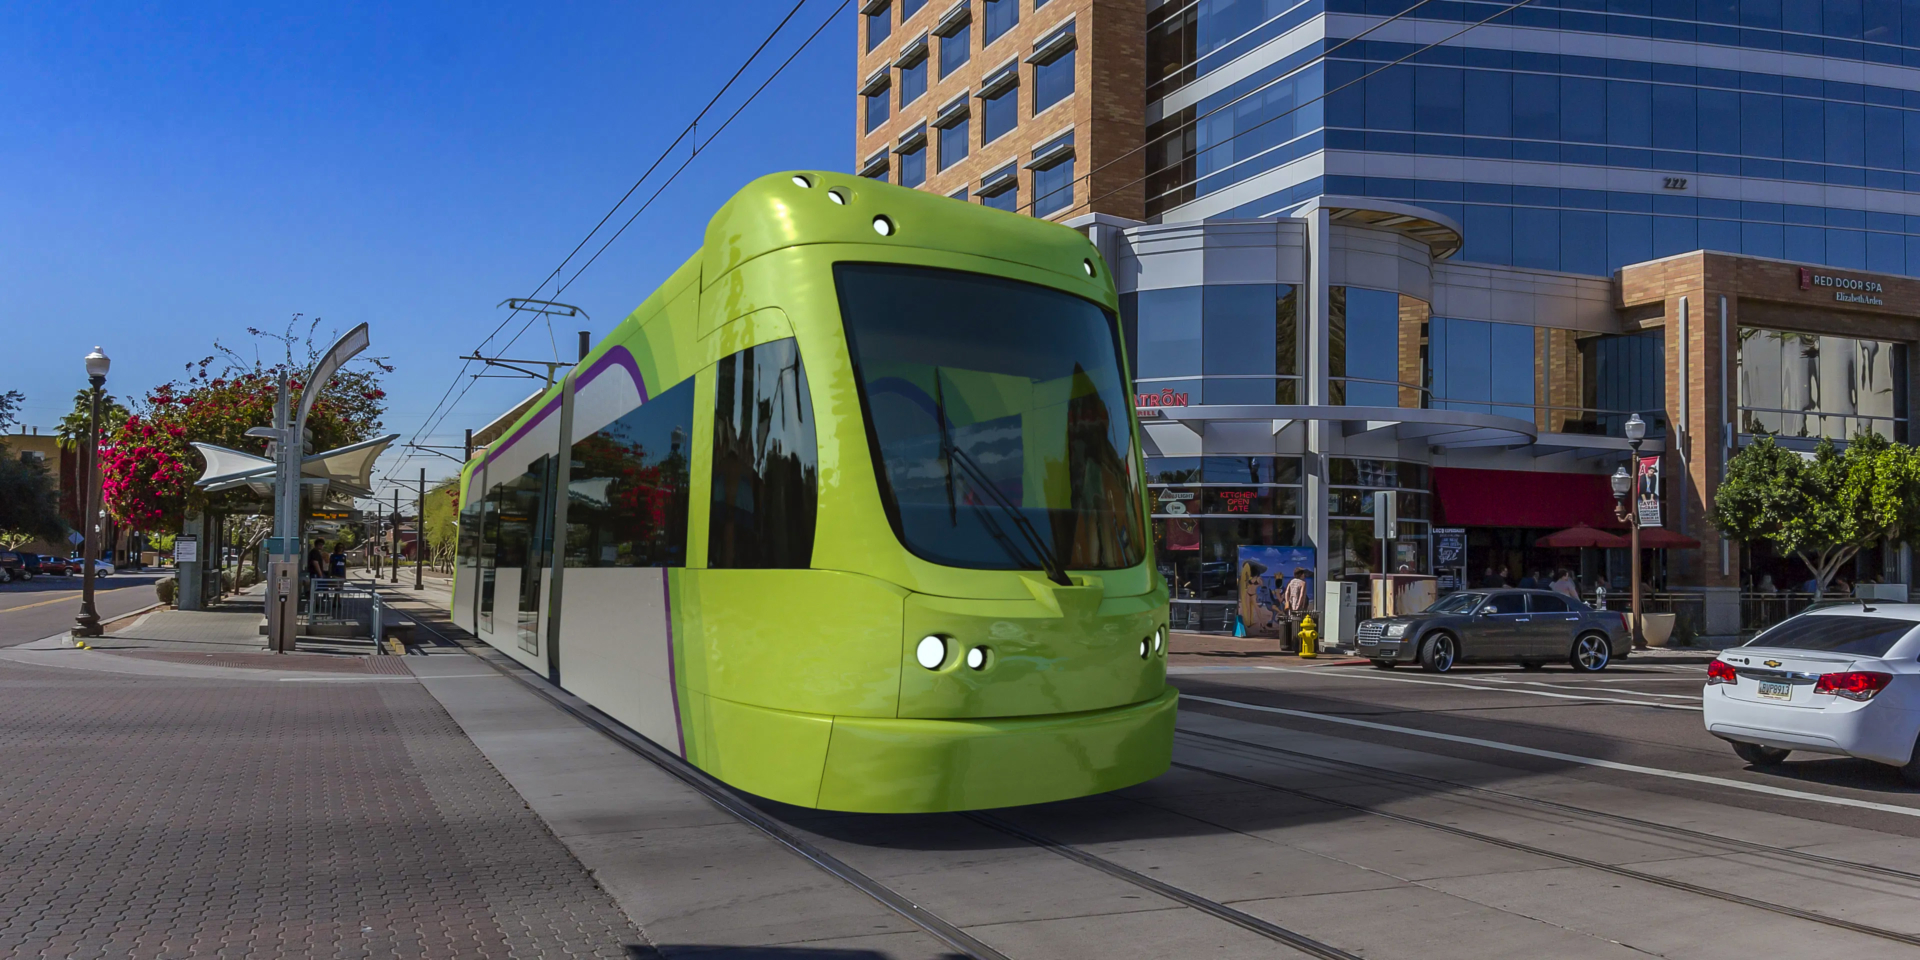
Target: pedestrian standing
[1293,601]
[1564,585]
[337,562]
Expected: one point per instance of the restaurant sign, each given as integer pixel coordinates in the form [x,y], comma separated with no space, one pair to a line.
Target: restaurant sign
[1846,289]
[1165,398]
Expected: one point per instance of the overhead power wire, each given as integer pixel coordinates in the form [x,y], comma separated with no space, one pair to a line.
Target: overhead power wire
[1183,127]
[1503,11]
[430,423]
[699,147]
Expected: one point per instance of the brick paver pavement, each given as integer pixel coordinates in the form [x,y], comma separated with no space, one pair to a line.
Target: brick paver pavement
[164,817]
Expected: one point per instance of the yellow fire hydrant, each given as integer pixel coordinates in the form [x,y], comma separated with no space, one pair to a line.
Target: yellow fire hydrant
[1309,637]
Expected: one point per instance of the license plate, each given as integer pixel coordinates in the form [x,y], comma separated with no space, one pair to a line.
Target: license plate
[1776,691]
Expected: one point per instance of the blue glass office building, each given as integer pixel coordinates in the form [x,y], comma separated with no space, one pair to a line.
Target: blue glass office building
[1574,135]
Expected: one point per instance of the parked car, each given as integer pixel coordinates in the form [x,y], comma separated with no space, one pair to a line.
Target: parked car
[10,567]
[1840,680]
[101,568]
[41,565]
[1529,627]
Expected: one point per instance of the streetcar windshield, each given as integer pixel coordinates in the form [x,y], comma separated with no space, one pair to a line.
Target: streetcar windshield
[997,411]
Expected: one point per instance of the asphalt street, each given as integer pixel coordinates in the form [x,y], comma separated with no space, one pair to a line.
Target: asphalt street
[1634,715]
[44,606]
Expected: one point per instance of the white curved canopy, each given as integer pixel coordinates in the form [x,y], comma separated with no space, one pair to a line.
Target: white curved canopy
[347,470]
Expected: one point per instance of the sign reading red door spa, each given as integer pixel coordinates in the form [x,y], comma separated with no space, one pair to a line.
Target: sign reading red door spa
[1845,289]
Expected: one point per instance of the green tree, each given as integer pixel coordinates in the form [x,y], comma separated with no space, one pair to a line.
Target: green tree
[1822,510]
[29,502]
[442,522]
[73,426]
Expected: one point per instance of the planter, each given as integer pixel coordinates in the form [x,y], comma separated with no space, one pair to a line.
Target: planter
[1657,628]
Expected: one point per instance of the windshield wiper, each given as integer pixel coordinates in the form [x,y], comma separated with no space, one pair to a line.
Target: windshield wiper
[978,478]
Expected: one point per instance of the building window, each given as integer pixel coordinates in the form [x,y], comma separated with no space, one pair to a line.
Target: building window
[960,195]
[1001,189]
[766,472]
[1001,16]
[879,26]
[1351,484]
[1053,69]
[1808,385]
[913,81]
[875,166]
[1000,108]
[1195,345]
[1205,509]
[956,48]
[1373,355]
[1053,176]
[627,501]
[1481,366]
[954,141]
[879,105]
[910,7]
[913,166]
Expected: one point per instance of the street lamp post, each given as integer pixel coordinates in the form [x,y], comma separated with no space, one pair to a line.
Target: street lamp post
[87,624]
[1626,503]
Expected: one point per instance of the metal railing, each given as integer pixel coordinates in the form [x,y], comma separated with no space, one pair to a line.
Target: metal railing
[339,602]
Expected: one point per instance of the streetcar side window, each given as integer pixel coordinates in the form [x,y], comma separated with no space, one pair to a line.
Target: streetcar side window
[627,489]
[766,470]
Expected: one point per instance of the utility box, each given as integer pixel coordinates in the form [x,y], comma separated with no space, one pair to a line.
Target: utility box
[283,604]
[1340,614]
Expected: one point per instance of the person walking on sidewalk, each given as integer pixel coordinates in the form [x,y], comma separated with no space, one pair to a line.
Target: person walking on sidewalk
[1293,601]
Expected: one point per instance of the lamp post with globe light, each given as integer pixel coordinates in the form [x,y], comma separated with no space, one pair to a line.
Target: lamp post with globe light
[87,624]
[1626,507]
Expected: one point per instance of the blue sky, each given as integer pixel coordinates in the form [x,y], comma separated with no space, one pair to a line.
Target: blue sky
[172,174]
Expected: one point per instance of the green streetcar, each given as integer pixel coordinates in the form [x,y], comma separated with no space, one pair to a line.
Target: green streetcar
[853,513]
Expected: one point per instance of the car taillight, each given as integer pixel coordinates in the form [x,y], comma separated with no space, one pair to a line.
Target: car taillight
[1720,671]
[1854,684]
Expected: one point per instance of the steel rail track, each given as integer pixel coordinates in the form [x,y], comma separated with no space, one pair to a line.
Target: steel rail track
[730,801]
[724,798]
[1699,836]
[1578,861]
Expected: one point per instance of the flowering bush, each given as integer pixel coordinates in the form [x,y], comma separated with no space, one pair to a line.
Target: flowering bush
[148,467]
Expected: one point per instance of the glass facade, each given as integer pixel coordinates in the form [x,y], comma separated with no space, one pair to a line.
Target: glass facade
[1807,385]
[1208,344]
[1352,550]
[1637,109]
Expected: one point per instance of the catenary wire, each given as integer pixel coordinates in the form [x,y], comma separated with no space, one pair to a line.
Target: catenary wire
[1182,128]
[699,148]
[429,423]
[1503,11]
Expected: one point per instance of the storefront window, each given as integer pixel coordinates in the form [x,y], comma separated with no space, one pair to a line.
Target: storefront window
[1374,348]
[1351,484]
[1204,510]
[1808,385]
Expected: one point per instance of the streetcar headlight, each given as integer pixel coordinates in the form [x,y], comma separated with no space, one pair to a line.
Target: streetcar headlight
[883,226]
[1146,647]
[932,652]
[1160,641]
[802,182]
[977,658]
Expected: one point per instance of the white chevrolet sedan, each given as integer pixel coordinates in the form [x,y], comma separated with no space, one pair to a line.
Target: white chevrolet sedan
[1841,680]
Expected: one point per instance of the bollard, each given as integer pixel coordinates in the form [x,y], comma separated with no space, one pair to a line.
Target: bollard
[1309,638]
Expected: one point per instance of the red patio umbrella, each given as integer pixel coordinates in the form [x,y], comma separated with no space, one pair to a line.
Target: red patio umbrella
[1656,538]
[1581,535]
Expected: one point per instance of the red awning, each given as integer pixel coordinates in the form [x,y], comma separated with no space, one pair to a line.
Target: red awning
[1580,536]
[1466,497]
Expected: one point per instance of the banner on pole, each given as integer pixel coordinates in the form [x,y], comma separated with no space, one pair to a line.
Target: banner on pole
[1647,491]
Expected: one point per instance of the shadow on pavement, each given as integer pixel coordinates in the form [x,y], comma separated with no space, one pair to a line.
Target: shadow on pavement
[673,951]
